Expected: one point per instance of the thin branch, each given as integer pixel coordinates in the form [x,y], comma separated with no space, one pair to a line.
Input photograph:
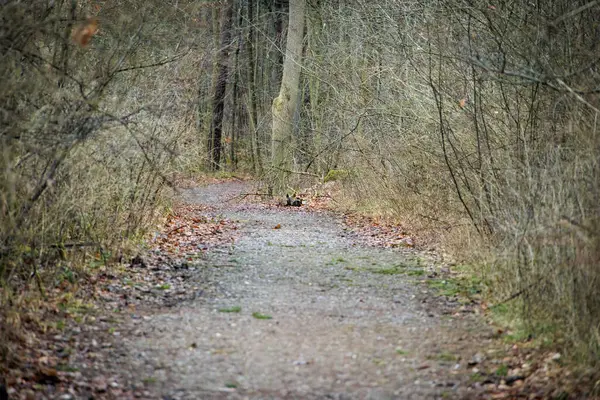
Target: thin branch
[155,64]
[296,172]
[574,12]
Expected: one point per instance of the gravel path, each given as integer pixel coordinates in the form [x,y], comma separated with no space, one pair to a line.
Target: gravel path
[340,328]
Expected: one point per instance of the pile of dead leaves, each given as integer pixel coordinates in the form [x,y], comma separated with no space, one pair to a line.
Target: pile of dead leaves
[188,232]
[378,231]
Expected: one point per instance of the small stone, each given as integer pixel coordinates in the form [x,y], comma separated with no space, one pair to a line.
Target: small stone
[99,383]
[514,372]
[476,359]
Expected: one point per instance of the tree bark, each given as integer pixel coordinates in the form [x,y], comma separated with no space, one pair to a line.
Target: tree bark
[252,101]
[284,105]
[216,127]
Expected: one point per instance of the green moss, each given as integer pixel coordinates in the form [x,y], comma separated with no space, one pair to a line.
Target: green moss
[387,271]
[336,175]
[476,377]
[149,380]
[258,315]
[234,309]
[502,370]
[444,356]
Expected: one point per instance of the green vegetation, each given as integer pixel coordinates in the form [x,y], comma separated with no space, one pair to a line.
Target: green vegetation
[388,271]
[502,371]
[477,377]
[336,260]
[66,368]
[336,175]
[397,269]
[444,356]
[234,309]
[465,286]
[149,380]
[258,315]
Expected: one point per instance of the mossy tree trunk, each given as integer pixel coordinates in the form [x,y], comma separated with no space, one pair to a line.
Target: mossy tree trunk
[284,105]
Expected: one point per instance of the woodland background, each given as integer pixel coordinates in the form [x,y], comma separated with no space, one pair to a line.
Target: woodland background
[473,121]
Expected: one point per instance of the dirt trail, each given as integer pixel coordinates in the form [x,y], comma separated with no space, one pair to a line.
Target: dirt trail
[341,327]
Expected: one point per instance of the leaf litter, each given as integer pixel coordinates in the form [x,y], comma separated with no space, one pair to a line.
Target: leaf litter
[64,348]
[67,349]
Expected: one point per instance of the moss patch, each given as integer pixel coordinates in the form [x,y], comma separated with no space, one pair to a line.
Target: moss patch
[234,309]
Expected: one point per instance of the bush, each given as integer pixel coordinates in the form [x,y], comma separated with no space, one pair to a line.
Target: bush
[481,121]
[90,128]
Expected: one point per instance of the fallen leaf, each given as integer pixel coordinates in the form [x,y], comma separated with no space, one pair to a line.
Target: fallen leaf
[278,226]
[47,376]
[82,33]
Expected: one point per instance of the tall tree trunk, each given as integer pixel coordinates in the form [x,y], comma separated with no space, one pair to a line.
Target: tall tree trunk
[278,10]
[284,105]
[216,126]
[235,93]
[252,106]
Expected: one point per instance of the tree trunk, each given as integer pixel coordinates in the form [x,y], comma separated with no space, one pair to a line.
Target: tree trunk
[216,126]
[278,10]
[252,106]
[284,105]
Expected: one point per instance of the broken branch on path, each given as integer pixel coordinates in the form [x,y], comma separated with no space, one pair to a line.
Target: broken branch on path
[242,196]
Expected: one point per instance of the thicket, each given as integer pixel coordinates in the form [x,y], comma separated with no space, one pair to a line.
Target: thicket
[480,119]
[477,118]
[95,117]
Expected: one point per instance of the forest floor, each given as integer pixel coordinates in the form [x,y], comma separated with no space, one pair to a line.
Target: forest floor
[237,298]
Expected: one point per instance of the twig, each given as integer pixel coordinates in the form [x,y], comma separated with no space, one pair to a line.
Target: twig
[242,196]
[176,229]
[574,12]
[297,172]
[70,245]
[519,293]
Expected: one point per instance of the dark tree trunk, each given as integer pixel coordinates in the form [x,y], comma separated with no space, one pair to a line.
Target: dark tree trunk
[252,101]
[216,128]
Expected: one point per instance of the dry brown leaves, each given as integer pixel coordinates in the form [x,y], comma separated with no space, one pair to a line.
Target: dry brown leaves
[188,232]
[378,231]
[60,347]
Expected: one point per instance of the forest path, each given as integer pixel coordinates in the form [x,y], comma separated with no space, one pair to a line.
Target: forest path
[342,327]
